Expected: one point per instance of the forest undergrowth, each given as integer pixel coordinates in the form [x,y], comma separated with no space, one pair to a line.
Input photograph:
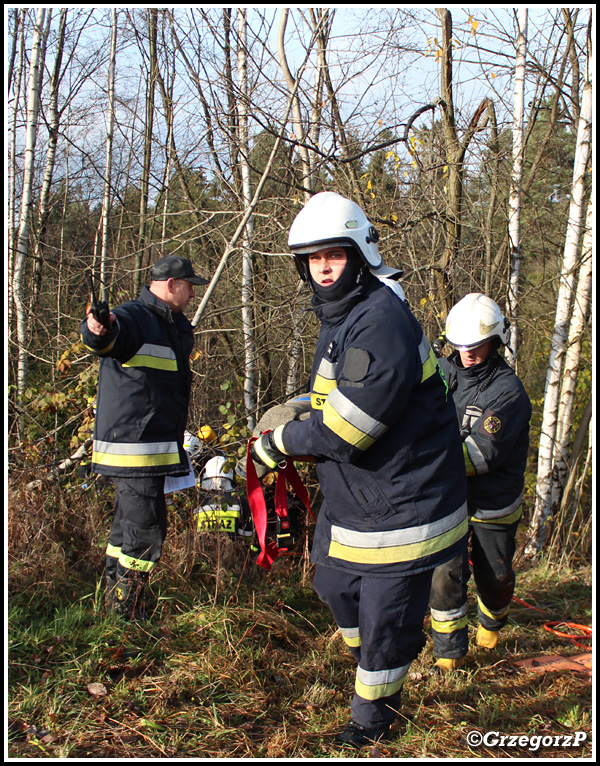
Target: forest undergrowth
[239,663]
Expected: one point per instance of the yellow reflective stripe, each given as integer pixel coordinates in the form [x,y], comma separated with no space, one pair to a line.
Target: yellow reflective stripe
[397,553]
[260,453]
[113,551]
[449,626]
[351,636]
[430,366]
[138,564]
[324,383]
[154,356]
[492,615]
[475,455]
[469,467]
[102,351]
[135,454]
[349,422]
[373,685]
[211,517]
[510,518]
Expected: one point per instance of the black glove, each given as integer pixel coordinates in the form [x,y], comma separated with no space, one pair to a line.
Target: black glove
[265,451]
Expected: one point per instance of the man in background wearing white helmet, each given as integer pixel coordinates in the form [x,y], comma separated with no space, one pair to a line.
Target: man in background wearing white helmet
[388,457]
[493,413]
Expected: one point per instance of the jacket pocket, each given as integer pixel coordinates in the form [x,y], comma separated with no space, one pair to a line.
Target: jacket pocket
[366,491]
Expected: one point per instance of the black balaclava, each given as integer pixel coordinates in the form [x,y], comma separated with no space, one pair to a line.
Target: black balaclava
[350,277]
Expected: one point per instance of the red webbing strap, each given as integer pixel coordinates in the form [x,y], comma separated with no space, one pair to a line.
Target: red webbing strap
[269,551]
[258,508]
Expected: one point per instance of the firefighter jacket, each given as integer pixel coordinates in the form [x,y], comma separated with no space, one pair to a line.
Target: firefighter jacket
[493,414]
[143,390]
[385,440]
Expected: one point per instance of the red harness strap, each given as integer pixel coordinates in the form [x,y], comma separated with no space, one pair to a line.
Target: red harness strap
[270,551]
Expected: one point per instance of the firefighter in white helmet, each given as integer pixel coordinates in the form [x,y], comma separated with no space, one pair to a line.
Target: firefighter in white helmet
[221,509]
[387,452]
[493,412]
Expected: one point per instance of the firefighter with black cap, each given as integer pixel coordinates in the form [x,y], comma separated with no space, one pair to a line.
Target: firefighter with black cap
[493,412]
[388,457]
[142,406]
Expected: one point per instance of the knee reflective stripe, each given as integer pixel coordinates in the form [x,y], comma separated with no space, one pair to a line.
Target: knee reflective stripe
[325,382]
[154,356]
[349,422]
[113,551]
[135,454]
[507,515]
[397,545]
[351,636]
[499,615]
[449,622]
[375,684]
[137,565]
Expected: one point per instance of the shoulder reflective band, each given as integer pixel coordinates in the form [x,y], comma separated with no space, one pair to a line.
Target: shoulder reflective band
[325,382]
[154,356]
[398,545]
[135,454]
[349,422]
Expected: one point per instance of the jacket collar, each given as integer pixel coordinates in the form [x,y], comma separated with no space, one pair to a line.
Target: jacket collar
[156,305]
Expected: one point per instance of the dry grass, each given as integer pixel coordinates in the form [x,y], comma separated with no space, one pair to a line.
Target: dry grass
[240,663]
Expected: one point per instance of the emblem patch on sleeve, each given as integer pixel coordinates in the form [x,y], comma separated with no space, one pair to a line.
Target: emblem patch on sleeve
[492,424]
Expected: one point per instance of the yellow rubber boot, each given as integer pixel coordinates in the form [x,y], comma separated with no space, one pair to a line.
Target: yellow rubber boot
[488,639]
[445,664]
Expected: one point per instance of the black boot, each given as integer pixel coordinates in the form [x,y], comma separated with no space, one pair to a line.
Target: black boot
[358,736]
[129,595]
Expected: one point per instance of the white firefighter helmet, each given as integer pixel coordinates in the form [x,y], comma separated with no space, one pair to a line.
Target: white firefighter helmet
[218,475]
[191,444]
[330,220]
[474,320]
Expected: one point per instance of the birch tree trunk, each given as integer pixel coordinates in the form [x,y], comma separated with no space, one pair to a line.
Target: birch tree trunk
[514,201]
[109,149]
[53,123]
[12,195]
[248,235]
[539,526]
[569,379]
[33,106]
[140,260]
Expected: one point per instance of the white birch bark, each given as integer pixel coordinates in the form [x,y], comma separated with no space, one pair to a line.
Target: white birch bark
[539,526]
[514,201]
[12,185]
[572,356]
[33,106]
[299,131]
[248,235]
[110,123]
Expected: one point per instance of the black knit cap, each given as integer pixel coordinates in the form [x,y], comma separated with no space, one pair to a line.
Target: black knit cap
[176,267]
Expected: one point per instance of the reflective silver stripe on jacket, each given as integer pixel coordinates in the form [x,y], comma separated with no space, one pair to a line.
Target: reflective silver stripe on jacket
[500,513]
[155,356]
[135,454]
[477,459]
[349,422]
